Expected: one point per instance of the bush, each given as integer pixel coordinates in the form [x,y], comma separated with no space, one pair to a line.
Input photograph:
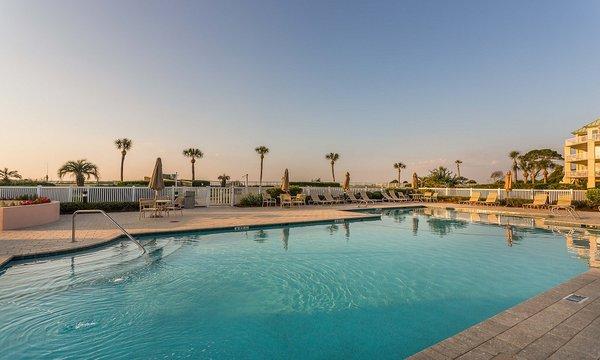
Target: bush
[375,195]
[275,192]
[593,196]
[71,207]
[25,183]
[251,200]
[142,183]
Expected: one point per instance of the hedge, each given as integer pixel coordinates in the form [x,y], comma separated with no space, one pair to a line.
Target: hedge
[120,206]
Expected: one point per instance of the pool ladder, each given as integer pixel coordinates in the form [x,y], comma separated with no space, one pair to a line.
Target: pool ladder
[97,211]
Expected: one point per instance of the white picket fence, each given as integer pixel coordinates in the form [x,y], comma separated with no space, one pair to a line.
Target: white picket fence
[527,194]
[205,196]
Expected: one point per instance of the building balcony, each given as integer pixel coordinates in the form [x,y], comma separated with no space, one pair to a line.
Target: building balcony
[576,140]
[576,157]
[578,174]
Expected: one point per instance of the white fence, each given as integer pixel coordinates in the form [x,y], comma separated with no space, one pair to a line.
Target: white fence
[527,194]
[205,196]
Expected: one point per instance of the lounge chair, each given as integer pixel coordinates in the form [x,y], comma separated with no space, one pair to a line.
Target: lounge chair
[366,199]
[491,199]
[540,201]
[474,199]
[354,199]
[564,202]
[330,198]
[387,198]
[267,200]
[316,200]
[285,199]
[399,197]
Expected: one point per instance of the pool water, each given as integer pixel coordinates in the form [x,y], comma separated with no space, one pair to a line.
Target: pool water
[355,290]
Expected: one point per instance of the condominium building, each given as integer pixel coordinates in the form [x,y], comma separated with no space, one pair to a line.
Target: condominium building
[582,155]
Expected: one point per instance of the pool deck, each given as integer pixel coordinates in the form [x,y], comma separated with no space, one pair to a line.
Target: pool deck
[546,326]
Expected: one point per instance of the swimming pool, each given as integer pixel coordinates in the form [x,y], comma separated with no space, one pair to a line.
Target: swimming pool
[385,288]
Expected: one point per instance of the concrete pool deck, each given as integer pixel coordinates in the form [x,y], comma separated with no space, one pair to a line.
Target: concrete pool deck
[544,326]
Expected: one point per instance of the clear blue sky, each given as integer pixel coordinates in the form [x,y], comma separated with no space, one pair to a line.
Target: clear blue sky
[422,82]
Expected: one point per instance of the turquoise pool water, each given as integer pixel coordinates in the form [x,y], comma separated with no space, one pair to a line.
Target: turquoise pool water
[359,290]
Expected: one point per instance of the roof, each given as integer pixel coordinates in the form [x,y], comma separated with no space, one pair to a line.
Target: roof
[583,130]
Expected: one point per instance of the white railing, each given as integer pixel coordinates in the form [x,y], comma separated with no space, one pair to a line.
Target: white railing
[526,194]
[576,157]
[577,139]
[204,196]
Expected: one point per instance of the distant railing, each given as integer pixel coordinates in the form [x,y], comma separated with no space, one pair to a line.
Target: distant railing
[526,194]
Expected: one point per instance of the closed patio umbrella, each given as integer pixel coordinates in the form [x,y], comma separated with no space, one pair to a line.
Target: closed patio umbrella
[508,182]
[156,181]
[415,181]
[346,184]
[285,182]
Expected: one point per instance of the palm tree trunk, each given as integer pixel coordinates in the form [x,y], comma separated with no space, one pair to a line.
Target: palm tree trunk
[399,171]
[122,162]
[545,176]
[261,171]
[458,170]
[332,171]
[193,171]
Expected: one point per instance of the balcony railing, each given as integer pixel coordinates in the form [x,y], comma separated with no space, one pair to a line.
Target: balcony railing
[576,140]
[580,173]
[576,157]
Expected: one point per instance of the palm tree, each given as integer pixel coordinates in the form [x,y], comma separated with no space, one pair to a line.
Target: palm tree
[124,145]
[514,156]
[332,157]
[458,162]
[399,166]
[80,169]
[543,165]
[262,151]
[8,175]
[525,167]
[224,179]
[193,154]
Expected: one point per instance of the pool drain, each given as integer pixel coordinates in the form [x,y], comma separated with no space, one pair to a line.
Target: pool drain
[576,298]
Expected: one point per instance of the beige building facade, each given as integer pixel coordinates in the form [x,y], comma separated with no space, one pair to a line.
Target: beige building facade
[582,155]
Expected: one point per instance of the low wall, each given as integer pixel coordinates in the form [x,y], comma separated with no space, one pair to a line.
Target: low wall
[18,217]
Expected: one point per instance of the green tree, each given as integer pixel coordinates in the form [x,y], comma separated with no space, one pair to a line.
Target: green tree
[496,175]
[440,176]
[193,154]
[514,156]
[541,160]
[332,157]
[124,145]
[81,169]
[8,175]
[262,151]
[224,178]
[526,167]
[399,166]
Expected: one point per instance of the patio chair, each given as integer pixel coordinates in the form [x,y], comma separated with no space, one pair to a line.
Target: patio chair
[365,197]
[147,206]
[330,198]
[285,199]
[491,199]
[177,205]
[564,202]
[316,200]
[386,197]
[540,201]
[299,199]
[474,199]
[430,196]
[267,200]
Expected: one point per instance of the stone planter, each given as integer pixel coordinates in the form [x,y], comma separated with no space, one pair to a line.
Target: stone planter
[18,217]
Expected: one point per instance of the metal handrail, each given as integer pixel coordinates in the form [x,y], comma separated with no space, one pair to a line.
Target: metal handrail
[96,211]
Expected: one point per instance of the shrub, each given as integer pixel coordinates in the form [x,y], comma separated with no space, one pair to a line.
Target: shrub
[593,196]
[71,207]
[275,192]
[314,183]
[167,182]
[375,195]
[251,200]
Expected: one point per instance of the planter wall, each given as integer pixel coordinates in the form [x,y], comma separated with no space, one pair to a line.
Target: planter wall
[18,217]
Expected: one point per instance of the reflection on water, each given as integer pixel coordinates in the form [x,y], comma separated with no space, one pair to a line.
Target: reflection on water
[260,236]
[285,237]
[584,243]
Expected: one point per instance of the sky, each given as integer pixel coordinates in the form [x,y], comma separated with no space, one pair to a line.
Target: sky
[420,82]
